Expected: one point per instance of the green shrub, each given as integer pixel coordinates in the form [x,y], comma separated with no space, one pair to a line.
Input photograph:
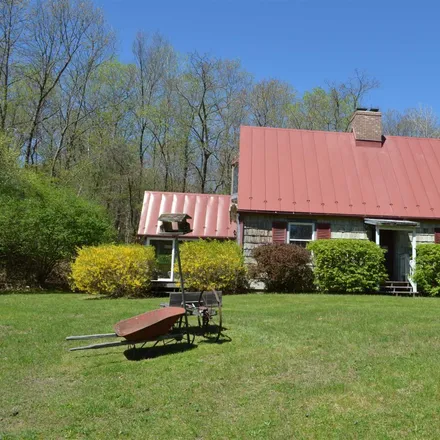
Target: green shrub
[114,270]
[42,224]
[427,274]
[212,264]
[283,268]
[343,265]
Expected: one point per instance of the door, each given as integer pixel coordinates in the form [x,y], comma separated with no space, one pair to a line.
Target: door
[388,242]
[403,254]
[165,257]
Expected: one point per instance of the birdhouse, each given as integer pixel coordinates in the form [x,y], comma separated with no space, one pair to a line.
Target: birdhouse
[174,224]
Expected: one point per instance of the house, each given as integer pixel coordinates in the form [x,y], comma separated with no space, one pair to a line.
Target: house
[294,186]
[210,218]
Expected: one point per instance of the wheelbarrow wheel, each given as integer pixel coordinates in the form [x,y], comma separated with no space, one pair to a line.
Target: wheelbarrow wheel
[210,316]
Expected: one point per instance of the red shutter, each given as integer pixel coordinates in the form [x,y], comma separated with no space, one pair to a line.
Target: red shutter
[279,232]
[323,231]
[437,235]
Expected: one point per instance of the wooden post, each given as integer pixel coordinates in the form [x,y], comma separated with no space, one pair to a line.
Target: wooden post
[414,244]
[378,238]
[182,288]
[413,260]
[174,224]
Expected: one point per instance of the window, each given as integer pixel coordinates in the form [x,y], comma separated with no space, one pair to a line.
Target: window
[300,233]
[164,249]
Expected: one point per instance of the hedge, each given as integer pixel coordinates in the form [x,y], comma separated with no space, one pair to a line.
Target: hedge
[427,273]
[114,270]
[42,224]
[283,268]
[212,264]
[348,265]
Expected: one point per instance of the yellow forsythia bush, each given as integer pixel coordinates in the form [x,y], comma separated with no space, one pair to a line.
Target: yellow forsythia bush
[114,270]
[212,265]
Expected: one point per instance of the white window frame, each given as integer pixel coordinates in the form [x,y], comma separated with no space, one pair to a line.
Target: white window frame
[173,254]
[312,224]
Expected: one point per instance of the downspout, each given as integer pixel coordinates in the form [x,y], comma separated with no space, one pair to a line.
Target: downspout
[238,229]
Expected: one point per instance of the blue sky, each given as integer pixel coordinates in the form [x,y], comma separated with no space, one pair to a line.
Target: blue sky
[304,42]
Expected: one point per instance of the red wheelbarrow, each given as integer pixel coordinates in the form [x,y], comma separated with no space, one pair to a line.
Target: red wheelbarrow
[157,325]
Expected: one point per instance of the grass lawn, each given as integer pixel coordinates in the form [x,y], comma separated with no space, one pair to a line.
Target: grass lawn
[298,366]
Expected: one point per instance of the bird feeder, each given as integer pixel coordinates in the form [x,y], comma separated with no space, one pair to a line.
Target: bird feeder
[174,224]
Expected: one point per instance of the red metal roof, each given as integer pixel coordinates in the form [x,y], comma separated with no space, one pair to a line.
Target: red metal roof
[209,212]
[304,171]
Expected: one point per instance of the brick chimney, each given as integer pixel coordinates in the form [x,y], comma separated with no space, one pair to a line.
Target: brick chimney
[367,125]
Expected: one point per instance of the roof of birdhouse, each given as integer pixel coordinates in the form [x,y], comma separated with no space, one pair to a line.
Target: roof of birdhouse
[169,217]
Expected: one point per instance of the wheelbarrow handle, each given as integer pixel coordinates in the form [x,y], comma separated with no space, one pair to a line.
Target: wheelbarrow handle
[97,336]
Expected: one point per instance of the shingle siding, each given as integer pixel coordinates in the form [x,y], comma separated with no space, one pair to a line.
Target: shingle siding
[348,227]
[257,229]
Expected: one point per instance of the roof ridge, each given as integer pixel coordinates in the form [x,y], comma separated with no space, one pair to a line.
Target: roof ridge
[255,127]
[186,193]
[411,137]
[295,129]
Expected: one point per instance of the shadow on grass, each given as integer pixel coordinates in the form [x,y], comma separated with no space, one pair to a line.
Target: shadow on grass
[151,352]
[223,340]
[211,336]
[139,354]
[35,291]
[100,297]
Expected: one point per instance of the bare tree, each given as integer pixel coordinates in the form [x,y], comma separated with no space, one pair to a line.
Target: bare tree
[155,61]
[74,108]
[57,32]
[330,108]
[421,121]
[209,86]
[269,102]
[184,119]
[356,88]
[12,23]
[233,113]
[198,90]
